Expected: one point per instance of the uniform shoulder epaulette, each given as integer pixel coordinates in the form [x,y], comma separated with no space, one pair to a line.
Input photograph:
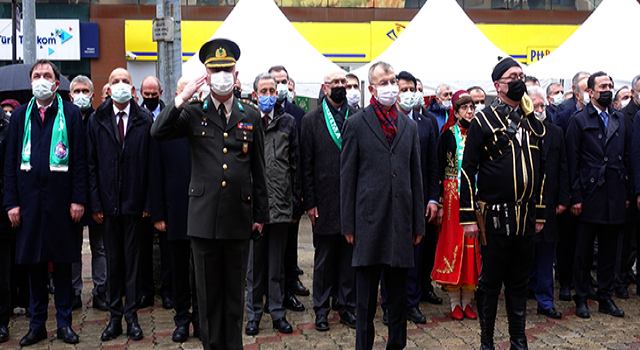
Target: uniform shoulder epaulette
[248,103]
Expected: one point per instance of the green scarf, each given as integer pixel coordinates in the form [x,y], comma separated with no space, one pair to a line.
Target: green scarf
[59,150]
[331,124]
[459,149]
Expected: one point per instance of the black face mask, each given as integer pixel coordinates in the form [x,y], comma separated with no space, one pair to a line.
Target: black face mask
[237,93]
[605,98]
[151,103]
[338,94]
[464,123]
[516,90]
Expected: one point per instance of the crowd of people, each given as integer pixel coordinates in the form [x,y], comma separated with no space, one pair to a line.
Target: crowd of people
[462,191]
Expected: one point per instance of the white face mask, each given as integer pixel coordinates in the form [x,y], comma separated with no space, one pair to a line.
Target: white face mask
[625,103]
[290,96]
[407,100]
[222,83]
[419,100]
[8,114]
[446,104]
[353,97]
[42,89]
[387,94]
[479,107]
[585,98]
[557,98]
[283,91]
[540,115]
[81,100]
[121,92]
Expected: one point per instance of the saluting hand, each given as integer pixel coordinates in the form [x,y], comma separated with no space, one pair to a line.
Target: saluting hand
[14,216]
[189,90]
[77,210]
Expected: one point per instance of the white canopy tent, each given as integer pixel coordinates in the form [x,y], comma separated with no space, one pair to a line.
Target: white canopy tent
[595,46]
[442,45]
[266,38]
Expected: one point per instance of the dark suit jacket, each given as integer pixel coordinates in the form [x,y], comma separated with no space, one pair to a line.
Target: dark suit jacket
[598,163]
[428,158]
[320,164]
[297,114]
[432,118]
[224,201]
[381,198]
[563,117]
[555,182]
[566,104]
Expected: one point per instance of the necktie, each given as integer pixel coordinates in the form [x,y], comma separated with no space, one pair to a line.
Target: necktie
[223,115]
[266,120]
[121,126]
[42,110]
[605,118]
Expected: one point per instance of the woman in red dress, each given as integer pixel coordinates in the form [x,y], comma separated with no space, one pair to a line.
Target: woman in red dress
[457,260]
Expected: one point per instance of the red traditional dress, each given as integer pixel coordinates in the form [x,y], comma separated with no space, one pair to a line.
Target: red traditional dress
[457,259]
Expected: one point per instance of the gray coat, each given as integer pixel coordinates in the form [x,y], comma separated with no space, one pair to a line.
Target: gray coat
[381,194]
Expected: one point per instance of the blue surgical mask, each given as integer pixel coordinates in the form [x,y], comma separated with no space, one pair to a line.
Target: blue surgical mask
[266,103]
[121,92]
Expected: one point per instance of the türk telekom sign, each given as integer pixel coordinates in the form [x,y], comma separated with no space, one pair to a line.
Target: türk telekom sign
[57,40]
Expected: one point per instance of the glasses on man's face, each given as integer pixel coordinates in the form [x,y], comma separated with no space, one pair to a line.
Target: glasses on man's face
[467,107]
[385,82]
[538,107]
[513,77]
[479,102]
[447,94]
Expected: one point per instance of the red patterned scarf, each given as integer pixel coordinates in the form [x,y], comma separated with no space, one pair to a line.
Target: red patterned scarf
[387,119]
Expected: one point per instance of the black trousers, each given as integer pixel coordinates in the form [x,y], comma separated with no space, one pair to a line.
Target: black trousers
[627,246]
[291,256]
[566,247]
[608,236]
[122,235]
[148,286]
[63,297]
[184,289]
[5,281]
[220,268]
[332,268]
[367,281]
[429,244]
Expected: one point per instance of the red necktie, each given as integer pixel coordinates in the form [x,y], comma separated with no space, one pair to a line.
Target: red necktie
[266,120]
[42,110]
[121,126]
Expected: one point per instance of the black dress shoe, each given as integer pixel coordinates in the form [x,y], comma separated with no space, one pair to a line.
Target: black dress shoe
[252,328]
[414,315]
[134,332]
[348,318]
[298,270]
[145,301]
[34,336]
[582,310]
[77,303]
[299,289]
[565,293]
[4,333]
[282,326]
[385,317]
[67,335]
[609,307]
[292,303]
[322,324]
[167,303]
[550,312]
[99,302]
[591,295]
[622,293]
[113,330]
[431,297]
[181,334]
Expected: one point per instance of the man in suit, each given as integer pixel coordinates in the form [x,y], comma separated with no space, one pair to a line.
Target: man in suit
[170,163]
[7,236]
[353,91]
[570,102]
[291,270]
[228,190]
[45,179]
[381,204]
[118,143]
[321,145]
[151,93]
[556,199]
[430,181]
[580,99]
[503,152]
[598,149]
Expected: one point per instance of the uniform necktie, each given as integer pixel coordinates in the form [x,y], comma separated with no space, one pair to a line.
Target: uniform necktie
[223,115]
[42,110]
[121,126]
[605,118]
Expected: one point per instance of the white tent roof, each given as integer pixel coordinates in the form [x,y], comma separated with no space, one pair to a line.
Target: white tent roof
[266,38]
[442,45]
[595,46]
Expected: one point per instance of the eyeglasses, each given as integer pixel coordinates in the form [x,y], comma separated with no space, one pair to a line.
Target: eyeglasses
[538,106]
[479,102]
[447,94]
[514,77]
[393,81]
[465,108]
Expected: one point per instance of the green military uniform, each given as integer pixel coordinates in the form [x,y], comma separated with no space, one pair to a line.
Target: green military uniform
[227,194]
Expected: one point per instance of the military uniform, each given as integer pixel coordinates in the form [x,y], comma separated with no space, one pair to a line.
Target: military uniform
[503,148]
[227,194]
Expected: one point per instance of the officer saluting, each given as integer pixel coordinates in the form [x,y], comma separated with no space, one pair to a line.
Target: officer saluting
[228,191]
[503,148]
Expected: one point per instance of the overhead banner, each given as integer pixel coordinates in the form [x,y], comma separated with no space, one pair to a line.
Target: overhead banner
[57,40]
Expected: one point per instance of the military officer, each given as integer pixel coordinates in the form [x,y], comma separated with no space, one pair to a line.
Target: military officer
[228,191]
[503,149]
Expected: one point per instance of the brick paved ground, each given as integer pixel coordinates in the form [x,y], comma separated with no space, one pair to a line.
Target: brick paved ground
[440,332]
